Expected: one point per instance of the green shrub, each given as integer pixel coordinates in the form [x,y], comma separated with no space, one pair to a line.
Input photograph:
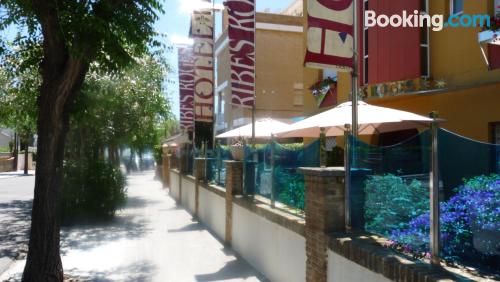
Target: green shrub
[157,153]
[292,189]
[392,202]
[91,190]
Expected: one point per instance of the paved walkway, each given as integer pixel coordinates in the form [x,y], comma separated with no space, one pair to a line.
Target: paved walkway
[150,240]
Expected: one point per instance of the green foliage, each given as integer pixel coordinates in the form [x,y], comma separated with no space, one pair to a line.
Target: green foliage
[91,190]
[292,189]
[112,32]
[18,94]
[4,150]
[157,153]
[127,108]
[391,202]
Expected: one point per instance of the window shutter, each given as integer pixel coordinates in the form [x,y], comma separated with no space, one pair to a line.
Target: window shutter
[394,53]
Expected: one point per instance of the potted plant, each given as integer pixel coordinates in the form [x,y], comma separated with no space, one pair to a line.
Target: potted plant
[491,34]
[238,150]
[321,88]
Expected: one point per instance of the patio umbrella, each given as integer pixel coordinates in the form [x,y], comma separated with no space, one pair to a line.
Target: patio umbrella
[177,140]
[371,120]
[263,129]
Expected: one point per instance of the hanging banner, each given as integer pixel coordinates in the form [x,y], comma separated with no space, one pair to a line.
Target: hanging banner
[186,88]
[202,32]
[329,34]
[241,33]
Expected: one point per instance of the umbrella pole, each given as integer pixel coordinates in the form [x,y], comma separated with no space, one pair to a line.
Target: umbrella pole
[347,180]
[254,152]
[273,188]
[354,74]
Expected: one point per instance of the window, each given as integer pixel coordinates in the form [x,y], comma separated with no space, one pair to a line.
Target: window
[456,6]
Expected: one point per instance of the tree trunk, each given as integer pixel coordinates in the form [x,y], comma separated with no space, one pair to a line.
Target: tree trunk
[26,149]
[62,79]
[16,153]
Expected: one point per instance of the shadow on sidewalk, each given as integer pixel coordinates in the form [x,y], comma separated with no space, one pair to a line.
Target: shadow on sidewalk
[188,228]
[141,271]
[15,220]
[91,235]
[232,270]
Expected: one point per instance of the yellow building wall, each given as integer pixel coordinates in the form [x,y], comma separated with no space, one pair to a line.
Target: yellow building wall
[455,52]
[467,112]
[279,72]
[280,87]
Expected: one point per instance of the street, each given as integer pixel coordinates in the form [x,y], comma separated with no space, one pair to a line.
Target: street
[150,239]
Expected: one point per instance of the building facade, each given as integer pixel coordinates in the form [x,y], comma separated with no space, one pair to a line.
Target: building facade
[420,70]
[279,72]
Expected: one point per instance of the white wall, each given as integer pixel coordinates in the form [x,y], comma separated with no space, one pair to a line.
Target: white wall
[212,212]
[341,269]
[188,194]
[174,184]
[276,252]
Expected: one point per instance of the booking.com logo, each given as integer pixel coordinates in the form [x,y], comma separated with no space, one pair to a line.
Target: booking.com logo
[421,19]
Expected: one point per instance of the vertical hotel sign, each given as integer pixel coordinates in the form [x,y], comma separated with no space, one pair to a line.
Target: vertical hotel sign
[241,33]
[186,88]
[202,32]
[330,34]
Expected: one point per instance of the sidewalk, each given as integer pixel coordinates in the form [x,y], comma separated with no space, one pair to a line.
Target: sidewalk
[18,173]
[150,240]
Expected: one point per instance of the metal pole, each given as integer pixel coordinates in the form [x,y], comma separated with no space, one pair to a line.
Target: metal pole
[347,181]
[244,168]
[273,188]
[354,74]
[322,147]
[434,193]
[219,161]
[205,161]
[214,83]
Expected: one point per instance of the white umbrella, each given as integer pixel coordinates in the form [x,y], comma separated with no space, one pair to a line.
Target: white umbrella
[371,120]
[263,129]
[177,140]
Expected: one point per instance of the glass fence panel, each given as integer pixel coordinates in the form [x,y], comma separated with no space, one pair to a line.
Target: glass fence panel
[389,193]
[190,160]
[223,153]
[211,165]
[256,170]
[288,181]
[469,201]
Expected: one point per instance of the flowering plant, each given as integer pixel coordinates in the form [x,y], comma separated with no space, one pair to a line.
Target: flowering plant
[322,87]
[472,211]
[494,23]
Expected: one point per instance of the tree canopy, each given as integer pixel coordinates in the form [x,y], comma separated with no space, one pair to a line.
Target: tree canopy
[71,36]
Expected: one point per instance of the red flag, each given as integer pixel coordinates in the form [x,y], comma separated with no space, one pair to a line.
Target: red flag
[241,33]
[329,34]
[186,88]
[202,32]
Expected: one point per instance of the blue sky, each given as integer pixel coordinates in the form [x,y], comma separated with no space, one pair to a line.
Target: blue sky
[175,24]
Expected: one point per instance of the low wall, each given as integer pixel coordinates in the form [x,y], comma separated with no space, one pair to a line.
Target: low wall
[277,252]
[6,164]
[212,210]
[271,241]
[341,269]
[188,193]
[174,184]
[284,247]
